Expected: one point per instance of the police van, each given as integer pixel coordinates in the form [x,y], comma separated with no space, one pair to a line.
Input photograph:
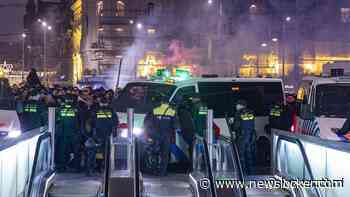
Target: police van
[323,105]
[219,94]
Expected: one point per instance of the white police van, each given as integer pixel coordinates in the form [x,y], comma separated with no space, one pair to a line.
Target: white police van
[219,94]
[323,105]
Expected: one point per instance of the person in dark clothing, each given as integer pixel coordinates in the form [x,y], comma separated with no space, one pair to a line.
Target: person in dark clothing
[34,113]
[244,128]
[33,79]
[68,137]
[159,126]
[104,120]
[187,129]
[199,113]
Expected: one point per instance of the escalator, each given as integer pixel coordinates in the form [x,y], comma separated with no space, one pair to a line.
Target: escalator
[125,179]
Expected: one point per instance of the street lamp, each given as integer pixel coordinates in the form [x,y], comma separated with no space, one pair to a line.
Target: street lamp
[210,2]
[288,18]
[274,39]
[253,6]
[45,28]
[23,53]
[264,44]
[131,21]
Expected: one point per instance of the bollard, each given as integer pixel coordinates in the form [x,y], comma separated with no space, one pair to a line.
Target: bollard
[51,127]
[210,134]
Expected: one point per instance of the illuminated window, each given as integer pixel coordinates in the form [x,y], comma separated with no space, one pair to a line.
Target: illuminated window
[120,8]
[345,15]
[100,8]
[151,31]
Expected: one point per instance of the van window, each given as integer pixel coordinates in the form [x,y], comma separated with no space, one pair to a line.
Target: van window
[140,96]
[222,96]
[185,92]
[332,100]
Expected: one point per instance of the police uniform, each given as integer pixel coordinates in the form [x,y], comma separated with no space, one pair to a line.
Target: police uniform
[159,127]
[244,126]
[200,118]
[104,119]
[34,115]
[275,117]
[68,136]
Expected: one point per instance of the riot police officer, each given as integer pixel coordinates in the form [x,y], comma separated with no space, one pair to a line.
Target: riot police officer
[275,117]
[159,126]
[244,128]
[34,113]
[104,120]
[199,113]
[68,136]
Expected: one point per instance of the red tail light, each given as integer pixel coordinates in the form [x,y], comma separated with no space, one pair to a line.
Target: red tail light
[217,130]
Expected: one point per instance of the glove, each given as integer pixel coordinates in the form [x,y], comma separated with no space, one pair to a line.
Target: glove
[71,156]
[231,120]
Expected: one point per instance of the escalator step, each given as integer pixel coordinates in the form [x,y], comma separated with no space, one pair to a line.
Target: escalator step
[75,185]
[174,185]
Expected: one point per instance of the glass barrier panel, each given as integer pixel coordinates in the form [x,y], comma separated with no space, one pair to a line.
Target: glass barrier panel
[291,164]
[16,164]
[121,163]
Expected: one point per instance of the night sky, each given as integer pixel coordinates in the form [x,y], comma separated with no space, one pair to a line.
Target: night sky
[11,18]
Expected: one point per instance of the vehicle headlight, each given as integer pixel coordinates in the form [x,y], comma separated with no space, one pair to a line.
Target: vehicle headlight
[124,133]
[14,133]
[137,131]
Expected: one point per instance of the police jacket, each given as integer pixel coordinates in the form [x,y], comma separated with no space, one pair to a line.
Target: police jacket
[103,121]
[34,115]
[244,123]
[160,122]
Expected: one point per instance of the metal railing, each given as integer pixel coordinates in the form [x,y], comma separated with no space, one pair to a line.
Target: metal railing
[311,158]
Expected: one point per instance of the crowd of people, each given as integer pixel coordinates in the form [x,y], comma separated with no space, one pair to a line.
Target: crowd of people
[84,117]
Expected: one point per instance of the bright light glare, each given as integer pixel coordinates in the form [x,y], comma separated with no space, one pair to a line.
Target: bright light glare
[139,25]
[288,18]
[264,45]
[14,133]
[44,24]
[274,39]
[131,22]
[137,131]
[253,6]
[24,35]
[49,27]
[210,1]
[124,133]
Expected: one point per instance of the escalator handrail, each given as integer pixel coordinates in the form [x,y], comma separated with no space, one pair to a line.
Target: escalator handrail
[237,160]
[107,164]
[303,152]
[37,149]
[209,167]
[137,167]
